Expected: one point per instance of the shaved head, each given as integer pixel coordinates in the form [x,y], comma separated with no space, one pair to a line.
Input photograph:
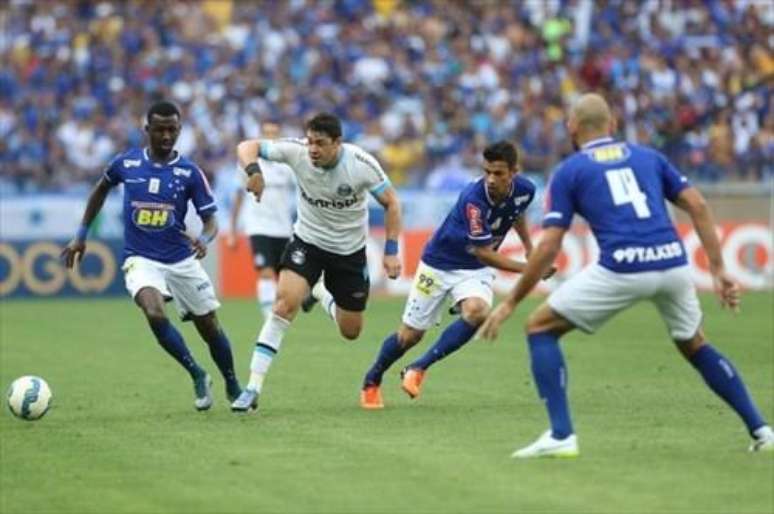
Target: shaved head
[591,112]
[590,117]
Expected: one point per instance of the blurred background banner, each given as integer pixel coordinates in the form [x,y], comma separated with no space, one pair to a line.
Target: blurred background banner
[424,85]
[33,229]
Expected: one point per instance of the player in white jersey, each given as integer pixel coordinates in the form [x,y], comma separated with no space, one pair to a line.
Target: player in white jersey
[329,235]
[268,223]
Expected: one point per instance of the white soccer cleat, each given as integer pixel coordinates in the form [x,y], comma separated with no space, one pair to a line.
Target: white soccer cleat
[764,440]
[547,446]
[203,392]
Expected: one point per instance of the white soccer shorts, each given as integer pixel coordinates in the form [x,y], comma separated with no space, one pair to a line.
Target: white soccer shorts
[596,294]
[185,281]
[431,287]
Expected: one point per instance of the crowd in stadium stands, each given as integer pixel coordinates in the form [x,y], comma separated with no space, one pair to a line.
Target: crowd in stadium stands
[422,84]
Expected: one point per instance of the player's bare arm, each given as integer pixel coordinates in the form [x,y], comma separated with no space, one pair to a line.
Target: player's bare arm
[74,250]
[692,201]
[209,231]
[521,228]
[538,265]
[392,227]
[247,155]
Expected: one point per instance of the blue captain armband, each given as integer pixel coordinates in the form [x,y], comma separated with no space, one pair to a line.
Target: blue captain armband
[391,247]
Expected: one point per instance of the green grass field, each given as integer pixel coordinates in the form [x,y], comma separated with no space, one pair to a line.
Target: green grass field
[123,435]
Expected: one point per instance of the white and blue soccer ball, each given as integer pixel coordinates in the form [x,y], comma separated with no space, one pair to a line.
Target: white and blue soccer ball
[29,397]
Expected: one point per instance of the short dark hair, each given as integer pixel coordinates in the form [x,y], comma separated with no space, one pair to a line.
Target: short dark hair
[327,123]
[162,108]
[502,151]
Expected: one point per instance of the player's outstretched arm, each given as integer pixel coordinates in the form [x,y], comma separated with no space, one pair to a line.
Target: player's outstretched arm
[539,264]
[247,155]
[77,246]
[392,227]
[488,256]
[693,202]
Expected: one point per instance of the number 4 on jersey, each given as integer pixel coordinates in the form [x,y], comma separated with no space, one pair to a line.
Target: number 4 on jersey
[625,189]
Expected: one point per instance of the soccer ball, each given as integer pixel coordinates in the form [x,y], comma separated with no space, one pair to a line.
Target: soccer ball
[29,397]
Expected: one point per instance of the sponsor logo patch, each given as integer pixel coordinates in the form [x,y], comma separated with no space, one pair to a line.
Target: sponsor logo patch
[344,190]
[298,257]
[475,222]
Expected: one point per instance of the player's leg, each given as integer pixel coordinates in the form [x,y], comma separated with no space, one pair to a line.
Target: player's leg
[585,301]
[393,347]
[681,311]
[267,252]
[422,311]
[151,302]
[346,288]
[300,268]
[455,336]
[220,349]
[147,285]
[472,292]
[195,298]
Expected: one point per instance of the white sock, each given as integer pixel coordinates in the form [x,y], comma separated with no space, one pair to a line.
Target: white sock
[266,290]
[266,347]
[327,303]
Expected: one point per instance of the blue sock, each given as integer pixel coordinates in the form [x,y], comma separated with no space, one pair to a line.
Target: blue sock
[550,376]
[220,350]
[721,376]
[389,353]
[451,340]
[171,340]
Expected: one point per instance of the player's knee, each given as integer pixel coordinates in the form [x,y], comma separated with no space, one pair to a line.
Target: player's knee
[285,308]
[690,346]
[154,314]
[474,311]
[350,332]
[408,337]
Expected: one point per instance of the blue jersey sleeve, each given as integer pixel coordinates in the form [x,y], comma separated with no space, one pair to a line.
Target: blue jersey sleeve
[673,181]
[478,231]
[201,193]
[113,173]
[560,203]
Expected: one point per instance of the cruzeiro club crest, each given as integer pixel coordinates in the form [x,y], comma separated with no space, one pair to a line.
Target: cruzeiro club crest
[298,257]
[344,190]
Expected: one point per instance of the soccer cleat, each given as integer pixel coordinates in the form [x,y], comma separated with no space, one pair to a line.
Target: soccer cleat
[411,381]
[764,440]
[371,397]
[314,296]
[203,391]
[546,446]
[246,402]
[455,309]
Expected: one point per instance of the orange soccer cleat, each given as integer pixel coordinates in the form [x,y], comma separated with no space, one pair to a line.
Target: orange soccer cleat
[411,381]
[371,397]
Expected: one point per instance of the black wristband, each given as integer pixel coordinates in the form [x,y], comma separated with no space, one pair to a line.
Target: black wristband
[253,168]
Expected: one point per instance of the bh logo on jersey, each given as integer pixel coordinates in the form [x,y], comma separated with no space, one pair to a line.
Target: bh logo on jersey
[152,216]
